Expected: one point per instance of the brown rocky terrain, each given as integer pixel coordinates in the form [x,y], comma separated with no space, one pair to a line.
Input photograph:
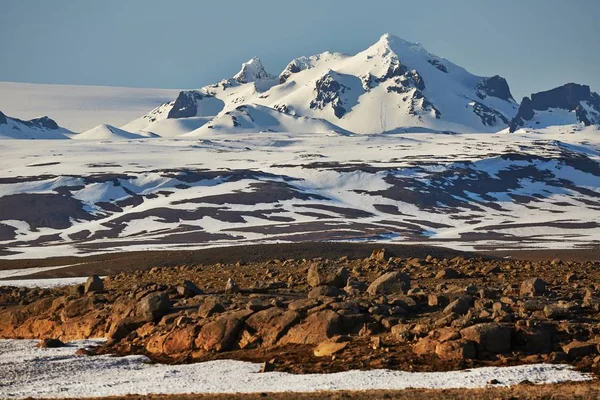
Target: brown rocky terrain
[326,315]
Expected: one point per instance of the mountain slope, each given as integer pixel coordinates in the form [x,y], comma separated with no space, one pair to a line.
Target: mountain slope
[570,104]
[393,84]
[37,128]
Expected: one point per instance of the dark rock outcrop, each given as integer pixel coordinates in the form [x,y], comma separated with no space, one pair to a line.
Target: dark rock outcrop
[186,105]
[496,86]
[567,97]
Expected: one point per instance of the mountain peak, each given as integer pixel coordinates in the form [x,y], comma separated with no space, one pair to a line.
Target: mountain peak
[251,71]
[392,42]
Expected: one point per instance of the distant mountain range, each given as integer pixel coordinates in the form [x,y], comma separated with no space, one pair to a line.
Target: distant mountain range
[394,86]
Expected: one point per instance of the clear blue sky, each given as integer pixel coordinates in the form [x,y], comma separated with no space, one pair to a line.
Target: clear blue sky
[535,44]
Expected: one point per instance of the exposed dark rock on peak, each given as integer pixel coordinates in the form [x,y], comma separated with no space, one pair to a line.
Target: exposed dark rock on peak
[185,105]
[438,64]
[567,97]
[292,68]
[44,122]
[488,116]
[395,69]
[496,86]
[329,91]
[2,118]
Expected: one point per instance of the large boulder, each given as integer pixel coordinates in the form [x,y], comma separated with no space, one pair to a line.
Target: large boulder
[180,340]
[153,307]
[323,275]
[489,337]
[317,327]
[390,283]
[272,324]
[219,335]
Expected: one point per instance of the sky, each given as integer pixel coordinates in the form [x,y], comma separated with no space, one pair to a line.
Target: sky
[535,44]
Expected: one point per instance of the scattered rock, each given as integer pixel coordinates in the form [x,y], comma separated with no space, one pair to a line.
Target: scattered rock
[448,273]
[317,327]
[390,283]
[491,337]
[533,287]
[323,275]
[93,284]
[49,343]
[231,287]
[209,307]
[460,349]
[153,307]
[219,335]
[459,306]
[577,349]
[379,255]
[272,324]
[324,291]
[329,348]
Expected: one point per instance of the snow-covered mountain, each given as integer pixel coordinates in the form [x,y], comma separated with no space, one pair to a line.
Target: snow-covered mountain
[393,86]
[37,128]
[568,105]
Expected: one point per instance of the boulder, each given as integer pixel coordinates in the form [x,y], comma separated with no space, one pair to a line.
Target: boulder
[437,300]
[302,305]
[179,341]
[460,349]
[231,287]
[219,335]
[153,307]
[459,306]
[209,307]
[324,291]
[323,275]
[533,287]
[317,327]
[93,284]
[390,283]
[379,255]
[329,348]
[189,289]
[448,273]
[272,324]
[577,349]
[490,337]
[425,346]
[534,340]
[50,343]
[258,305]
[557,311]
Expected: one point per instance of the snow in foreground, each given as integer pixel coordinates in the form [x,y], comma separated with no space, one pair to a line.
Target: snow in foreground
[28,371]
